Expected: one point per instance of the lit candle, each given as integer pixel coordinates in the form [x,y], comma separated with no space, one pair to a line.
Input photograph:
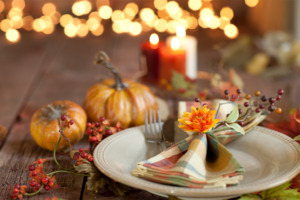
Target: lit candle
[150,56]
[172,58]
[189,44]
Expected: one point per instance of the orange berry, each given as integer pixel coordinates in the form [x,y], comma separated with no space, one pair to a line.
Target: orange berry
[248,96]
[278,110]
[257,93]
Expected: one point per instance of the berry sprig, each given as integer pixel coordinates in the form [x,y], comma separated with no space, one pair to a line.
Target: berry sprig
[83,154]
[257,104]
[100,130]
[18,191]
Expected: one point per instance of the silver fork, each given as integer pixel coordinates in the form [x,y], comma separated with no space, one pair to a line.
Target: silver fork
[153,129]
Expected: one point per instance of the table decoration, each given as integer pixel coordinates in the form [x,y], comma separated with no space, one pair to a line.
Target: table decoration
[150,58]
[84,166]
[44,125]
[200,160]
[117,99]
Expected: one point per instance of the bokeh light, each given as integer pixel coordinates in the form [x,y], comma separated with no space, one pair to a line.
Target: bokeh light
[135,28]
[2,6]
[65,20]
[161,25]
[195,4]
[105,12]
[48,9]
[12,35]
[251,3]
[117,15]
[70,30]
[231,31]
[147,14]
[81,7]
[154,39]
[226,12]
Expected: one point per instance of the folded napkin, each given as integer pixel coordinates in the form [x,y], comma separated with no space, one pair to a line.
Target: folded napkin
[199,161]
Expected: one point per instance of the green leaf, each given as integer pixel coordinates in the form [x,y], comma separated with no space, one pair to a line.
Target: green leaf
[178,81]
[234,115]
[237,128]
[275,190]
[297,138]
[250,197]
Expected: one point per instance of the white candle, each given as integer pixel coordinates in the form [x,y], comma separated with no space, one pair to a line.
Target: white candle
[189,44]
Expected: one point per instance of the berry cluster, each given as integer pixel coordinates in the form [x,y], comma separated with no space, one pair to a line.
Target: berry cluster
[82,154]
[39,178]
[100,130]
[64,123]
[258,103]
[18,191]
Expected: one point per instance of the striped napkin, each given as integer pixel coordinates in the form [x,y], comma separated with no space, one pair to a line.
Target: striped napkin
[198,161]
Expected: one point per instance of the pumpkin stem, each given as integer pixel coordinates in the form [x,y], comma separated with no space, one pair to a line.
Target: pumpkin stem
[103,59]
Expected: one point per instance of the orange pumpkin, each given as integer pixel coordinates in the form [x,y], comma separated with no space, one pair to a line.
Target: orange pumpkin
[118,100]
[44,125]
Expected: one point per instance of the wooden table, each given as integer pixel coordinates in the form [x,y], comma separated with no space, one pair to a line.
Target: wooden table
[41,69]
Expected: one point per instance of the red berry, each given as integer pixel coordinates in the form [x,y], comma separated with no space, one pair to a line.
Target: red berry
[45,180]
[246,104]
[226,92]
[17,186]
[257,110]
[240,111]
[47,187]
[13,195]
[33,183]
[100,129]
[51,183]
[93,139]
[261,106]
[89,124]
[181,90]
[31,167]
[197,100]
[34,173]
[278,98]
[101,119]
[40,161]
[71,122]
[89,131]
[271,108]
[241,123]
[280,91]
[36,188]
[264,98]
[108,132]
[63,117]
[91,159]
[187,78]
[238,91]
[272,100]
[15,190]
[77,156]
[83,155]
[97,124]
[233,96]
[80,150]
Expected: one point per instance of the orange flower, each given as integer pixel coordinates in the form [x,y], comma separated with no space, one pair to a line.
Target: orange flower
[199,120]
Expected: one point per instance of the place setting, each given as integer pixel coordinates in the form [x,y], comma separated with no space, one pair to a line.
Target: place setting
[152,100]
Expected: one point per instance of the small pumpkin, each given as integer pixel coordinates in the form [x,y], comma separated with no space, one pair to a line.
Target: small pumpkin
[117,99]
[44,125]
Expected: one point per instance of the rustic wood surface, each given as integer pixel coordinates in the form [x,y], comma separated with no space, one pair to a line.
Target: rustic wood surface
[42,69]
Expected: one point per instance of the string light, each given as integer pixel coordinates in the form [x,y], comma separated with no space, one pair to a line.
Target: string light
[166,16]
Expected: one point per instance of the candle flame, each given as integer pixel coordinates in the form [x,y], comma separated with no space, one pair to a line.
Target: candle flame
[154,39]
[175,43]
[180,31]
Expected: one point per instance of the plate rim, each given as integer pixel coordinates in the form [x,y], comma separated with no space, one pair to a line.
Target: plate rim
[194,192]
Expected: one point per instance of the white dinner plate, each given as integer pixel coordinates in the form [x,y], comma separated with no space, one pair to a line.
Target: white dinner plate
[269,158]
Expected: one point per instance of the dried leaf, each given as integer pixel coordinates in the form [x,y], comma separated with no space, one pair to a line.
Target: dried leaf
[297,138]
[3,133]
[237,128]
[178,81]
[235,79]
[234,115]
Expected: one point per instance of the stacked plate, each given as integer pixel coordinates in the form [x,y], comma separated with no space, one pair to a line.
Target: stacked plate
[269,158]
